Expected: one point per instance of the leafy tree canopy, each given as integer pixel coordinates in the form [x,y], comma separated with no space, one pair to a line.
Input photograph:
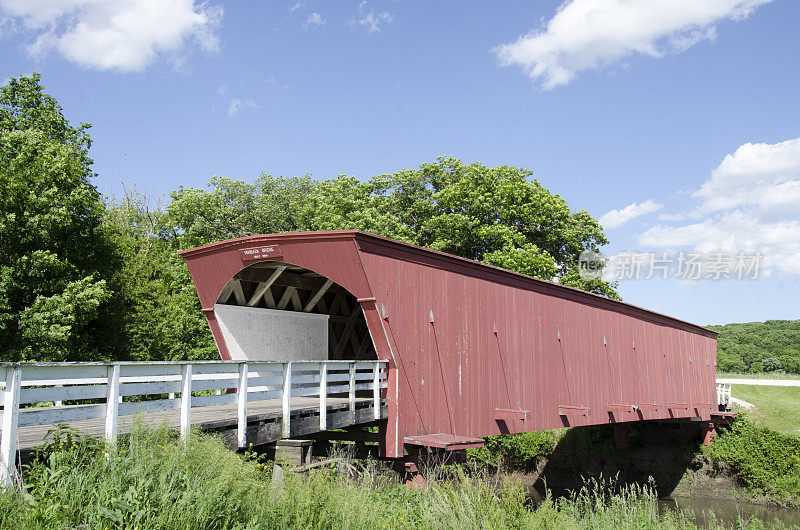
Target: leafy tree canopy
[770,346]
[159,310]
[53,257]
[495,215]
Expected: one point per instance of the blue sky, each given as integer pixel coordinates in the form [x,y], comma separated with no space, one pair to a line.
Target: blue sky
[674,121]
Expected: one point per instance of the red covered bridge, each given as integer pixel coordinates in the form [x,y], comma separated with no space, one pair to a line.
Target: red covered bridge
[473,350]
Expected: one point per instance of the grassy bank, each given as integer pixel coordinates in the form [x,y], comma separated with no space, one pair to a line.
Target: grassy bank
[762,375]
[776,407]
[153,481]
[766,462]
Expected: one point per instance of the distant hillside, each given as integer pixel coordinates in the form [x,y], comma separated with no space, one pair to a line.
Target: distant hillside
[768,346]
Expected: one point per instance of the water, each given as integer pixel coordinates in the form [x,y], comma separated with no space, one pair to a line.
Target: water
[728,511]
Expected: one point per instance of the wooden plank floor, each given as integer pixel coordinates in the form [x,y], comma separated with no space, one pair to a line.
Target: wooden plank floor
[216,417]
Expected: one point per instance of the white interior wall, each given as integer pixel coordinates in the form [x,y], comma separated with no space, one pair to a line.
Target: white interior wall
[259,334]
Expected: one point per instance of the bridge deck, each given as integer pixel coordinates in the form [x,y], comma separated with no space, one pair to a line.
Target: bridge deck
[264,420]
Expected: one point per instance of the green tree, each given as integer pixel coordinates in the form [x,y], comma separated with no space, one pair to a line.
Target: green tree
[495,215]
[54,259]
[234,208]
[160,311]
[773,345]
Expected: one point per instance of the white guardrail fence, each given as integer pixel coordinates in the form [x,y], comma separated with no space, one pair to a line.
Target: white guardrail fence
[35,393]
[724,394]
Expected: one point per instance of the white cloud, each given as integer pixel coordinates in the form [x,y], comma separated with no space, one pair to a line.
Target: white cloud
[765,175]
[295,7]
[669,217]
[371,19]
[591,34]
[123,35]
[750,203]
[617,218]
[238,104]
[314,19]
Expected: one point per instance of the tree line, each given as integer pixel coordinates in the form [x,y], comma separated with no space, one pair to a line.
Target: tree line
[755,347]
[87,277]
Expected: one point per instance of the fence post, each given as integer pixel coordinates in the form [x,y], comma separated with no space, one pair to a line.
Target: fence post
[376,390]
[8,443]
[112,403]
[287,387]
[323,396]
[186,399]
[242,394]
[352,394]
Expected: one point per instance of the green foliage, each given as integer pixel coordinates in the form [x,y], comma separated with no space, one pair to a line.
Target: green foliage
[766,461]
[757,347]
[60,324]
[54,258]
[234,209]
[519,451]
[151,481]
[154,481]
[496,215]
[160,312]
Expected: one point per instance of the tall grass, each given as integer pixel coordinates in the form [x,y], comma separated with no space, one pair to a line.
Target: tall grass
[154,481]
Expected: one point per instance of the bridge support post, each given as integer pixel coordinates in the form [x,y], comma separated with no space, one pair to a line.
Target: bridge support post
[708,432]
[112,403]
[621,435]
[352,393]
[376,391]
[241,433]
[186,399]
[323,396]
[8,443]
[286,398]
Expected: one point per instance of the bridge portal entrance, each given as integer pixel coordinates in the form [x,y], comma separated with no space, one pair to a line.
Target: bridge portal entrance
[277,311]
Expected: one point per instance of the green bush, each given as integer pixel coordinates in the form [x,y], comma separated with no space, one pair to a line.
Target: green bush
[517,450]
[766,461]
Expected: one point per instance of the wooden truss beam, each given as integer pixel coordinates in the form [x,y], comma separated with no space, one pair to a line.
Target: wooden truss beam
[290,295]
[366,342]
[286,279]
[238,292]
[346,334]
[314,299]
[268,299]
[226,292]
[263,287]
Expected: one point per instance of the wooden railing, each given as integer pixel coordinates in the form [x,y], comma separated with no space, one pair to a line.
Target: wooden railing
[724,394]
[35,393]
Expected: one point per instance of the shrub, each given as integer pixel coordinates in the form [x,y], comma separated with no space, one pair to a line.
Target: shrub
[766,461]
[772,364]
[517,450]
